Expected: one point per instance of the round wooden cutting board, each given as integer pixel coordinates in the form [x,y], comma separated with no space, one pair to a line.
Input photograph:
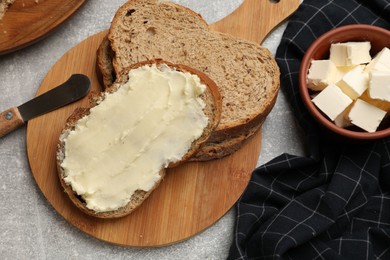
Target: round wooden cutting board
[28,21]
[192,196]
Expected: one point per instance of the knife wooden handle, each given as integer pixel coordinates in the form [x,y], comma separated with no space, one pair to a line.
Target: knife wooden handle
[10,119]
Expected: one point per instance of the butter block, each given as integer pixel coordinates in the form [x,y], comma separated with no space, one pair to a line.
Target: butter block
[350,53]
[343,120]
[321,74]
[384,105]
[332,101]
[342,70]
[379,85]
[366,116]
[354,82]
[381,61]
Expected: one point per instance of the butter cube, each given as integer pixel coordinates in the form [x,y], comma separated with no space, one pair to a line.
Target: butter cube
[350,53]
[384,105]
[381,61]
[342,70]
[366,116]
[380,85]
[354,82]
[342,120]
[321,74]
[332,101]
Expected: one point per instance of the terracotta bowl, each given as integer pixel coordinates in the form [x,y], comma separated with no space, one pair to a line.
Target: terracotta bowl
[319,49]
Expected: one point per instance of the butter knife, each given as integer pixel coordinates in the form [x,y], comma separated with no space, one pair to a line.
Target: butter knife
[76,87]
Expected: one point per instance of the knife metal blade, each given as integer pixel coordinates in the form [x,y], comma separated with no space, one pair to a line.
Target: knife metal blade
[76,87]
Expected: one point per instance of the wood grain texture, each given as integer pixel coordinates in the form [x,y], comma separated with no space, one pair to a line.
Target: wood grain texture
[192,196]
[28,21]
[255,19]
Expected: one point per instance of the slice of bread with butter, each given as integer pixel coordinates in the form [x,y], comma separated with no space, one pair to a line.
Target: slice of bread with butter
[156,115]
[246,73]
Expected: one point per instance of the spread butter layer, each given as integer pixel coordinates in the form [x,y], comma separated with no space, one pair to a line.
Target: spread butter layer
[124,142]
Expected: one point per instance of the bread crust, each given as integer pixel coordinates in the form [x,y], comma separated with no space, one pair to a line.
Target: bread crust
[104,68]
[238,130]
[105,54]
[211,151]
[213,110]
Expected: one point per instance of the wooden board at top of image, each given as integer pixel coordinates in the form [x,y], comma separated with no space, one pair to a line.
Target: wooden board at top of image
[28,21]
[191,197]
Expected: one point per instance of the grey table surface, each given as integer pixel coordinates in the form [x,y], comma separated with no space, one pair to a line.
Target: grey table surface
[29,227]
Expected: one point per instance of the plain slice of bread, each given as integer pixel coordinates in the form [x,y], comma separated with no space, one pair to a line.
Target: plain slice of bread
[4,4]
[212,110]
[246,73]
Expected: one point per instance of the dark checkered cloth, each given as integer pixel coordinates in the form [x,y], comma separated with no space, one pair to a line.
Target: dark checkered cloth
[334,203]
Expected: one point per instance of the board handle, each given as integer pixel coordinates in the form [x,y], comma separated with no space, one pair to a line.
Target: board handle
[255,19]
[10,120]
